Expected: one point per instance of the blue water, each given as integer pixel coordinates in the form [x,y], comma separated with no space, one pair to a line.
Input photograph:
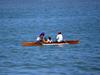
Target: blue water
[23,20]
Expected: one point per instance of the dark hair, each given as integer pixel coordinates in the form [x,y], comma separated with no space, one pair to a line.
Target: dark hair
[42,34]
[59,32]
[49,38]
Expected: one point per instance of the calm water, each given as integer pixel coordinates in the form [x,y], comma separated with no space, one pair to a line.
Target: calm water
[23,20]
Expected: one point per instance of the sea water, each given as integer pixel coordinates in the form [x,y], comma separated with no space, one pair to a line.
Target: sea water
[24,20]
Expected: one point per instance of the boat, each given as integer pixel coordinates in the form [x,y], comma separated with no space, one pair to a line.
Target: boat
[50,43]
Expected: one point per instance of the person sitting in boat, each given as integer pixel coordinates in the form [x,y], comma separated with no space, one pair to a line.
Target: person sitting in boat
[59,37]
[40,38]
[49,39]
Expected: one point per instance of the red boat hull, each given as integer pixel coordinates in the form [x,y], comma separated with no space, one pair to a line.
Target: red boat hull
[52,43]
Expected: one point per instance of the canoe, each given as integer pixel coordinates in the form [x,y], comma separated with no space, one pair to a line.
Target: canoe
[52,43]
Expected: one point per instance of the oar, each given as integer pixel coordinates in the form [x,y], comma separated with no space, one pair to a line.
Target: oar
[72,41]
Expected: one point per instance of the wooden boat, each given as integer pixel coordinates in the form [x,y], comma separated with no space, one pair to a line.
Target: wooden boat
[48,43]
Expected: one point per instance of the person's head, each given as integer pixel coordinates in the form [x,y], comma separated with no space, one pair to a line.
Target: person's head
[49,38]
[59,33]
[42,34]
